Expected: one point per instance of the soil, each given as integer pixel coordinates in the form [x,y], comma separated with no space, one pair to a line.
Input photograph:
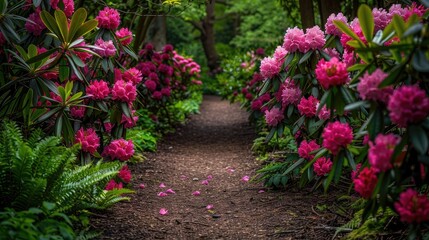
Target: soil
[210,143]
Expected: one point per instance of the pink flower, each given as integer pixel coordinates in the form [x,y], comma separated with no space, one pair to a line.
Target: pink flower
[307,107]
[142,186]
[120,149]
[209,177]
[196,193]
[270,67]
[408,104]
[355,26]
[157,95]
[412,207]
[256,105]
[332,52]
[331,28]
[306,147]
[170,191]
[419,10]
[130,122]
[163,211]
[209,207]
[84,56]
[150,85]
[365,182]
[98,90]
[324,113]
[125,174]
[314,38]
[88,139]
[274,116]
[107,48]
[205,182]
[166,91]
[331,73]
[108,126]
[355,173]
[294,40]
[290,94]
[125,36]
[280,54]
[124,91]
[168,48]
[368,87]
[77,112]
[68,6]
[113,185]
[245,178]
[348,58]
[108,18]
[162,194]
[381,19]
[322,166]
[132,75]
[336,135]
[397,9]
[380,152]
[162,185]
[38,26]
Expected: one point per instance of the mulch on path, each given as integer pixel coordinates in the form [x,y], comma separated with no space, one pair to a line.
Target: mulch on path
[212,142]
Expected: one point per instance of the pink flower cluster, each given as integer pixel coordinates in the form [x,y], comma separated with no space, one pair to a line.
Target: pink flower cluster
[107,48]
[305,148]
[412,207]
[125,174]
[274,116]
[380,152]
[307,107]
[98,90]
[330,27]
[108,18]
[124,91]
[112,184]
[132,75]
[296,40]
[322,166]
[125,36]
[368,87]
[88,139]
[270,67]
[36,26]
[331,73]
[336,135]
[408,104]
[290,93]
[68,6]
[129,122]
[77,112]
[120,149]
[365,182]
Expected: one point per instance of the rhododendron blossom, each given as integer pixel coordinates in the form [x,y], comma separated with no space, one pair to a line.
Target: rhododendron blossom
[98,90]
[129,122]
[307,107]
[408,104]
[132,75]
[381,151]
[88,139]
[68,6]
[150,85]
[294,40]
[125,174]
[365,182]
[120,149]
[274,116]
[331,73]
[280,54]
[77,111]
[111,185]
[108,18]
[336,135]
[124,91]
[163,211]
[290,94]
[412,207]
[314,38]
[330,27]
[270,67]
[125,36]
[324,113]
[381,18]
[36,26]
[368,87]
[322,166]
[305,148]
[107,48]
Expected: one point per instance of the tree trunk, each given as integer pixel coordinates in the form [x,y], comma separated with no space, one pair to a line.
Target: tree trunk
[208,38]
[326,8]
[157,33]
[307,13]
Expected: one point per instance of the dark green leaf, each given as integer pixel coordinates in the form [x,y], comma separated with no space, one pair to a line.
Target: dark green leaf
[61,19]
[270,135]
[356,105]
[50,23]
[305,57]
[413,30]
[131,53]
[86,28]
[419,138]
[41,56]
[77,20]
[420,62]
[293,166]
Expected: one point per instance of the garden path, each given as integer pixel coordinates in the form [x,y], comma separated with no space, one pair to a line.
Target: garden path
[210,143]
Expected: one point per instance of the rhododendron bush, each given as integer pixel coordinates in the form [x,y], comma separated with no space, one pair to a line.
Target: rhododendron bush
[355,96]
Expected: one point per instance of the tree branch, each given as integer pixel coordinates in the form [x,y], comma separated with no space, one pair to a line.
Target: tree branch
[198,25]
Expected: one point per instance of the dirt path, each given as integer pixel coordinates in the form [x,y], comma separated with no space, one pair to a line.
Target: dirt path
[218,138]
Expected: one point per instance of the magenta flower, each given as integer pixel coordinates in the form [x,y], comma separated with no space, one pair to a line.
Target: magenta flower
[336,135]
[132,75]
[245,178]
[120,149]
[331,28]
[142,186]
[274,116]
[125,174]
[408,104]
[412,207]
[270,67]
[162,194]
[314,38]
[332,52]
[150,85]
[111,185]
[68,6]
[365,182]
[108,18]
[125,36]
[98,90]
[331,73]
[124,91]
[157,95]
[130,122]
[397,9]
[77,112]
[196,193]
[307,107]
[306,147]
[38,26]
[294,40]
[88,139]
[166,91]
[380,152]
[107,48]
[290,94]
[381,18]
[348,58]
[322,166]
[256,105]
[163,211]
[324,113]
[280,54]
[368,87]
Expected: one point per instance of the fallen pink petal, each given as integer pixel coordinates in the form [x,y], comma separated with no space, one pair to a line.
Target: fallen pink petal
[209,207]
[183,177]
[162,194]
[142,186]
[205,182]
[209,177]
[230,169]
[245,178]
[261,191]
[170,191]
[162,185]
[163,211]
[196,193]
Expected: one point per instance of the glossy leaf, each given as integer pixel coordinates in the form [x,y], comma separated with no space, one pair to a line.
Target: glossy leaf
[366,20]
